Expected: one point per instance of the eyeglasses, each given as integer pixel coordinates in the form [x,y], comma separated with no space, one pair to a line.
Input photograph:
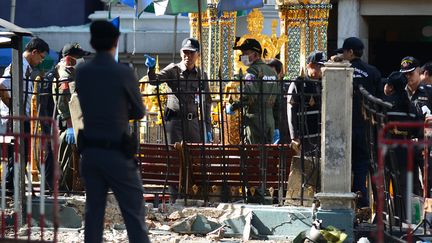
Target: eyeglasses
[42,55]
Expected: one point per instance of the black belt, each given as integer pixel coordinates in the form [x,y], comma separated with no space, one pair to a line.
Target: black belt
[177,115]
[102,144]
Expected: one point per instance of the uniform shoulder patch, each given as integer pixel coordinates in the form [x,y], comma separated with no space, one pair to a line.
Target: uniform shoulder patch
[249,76]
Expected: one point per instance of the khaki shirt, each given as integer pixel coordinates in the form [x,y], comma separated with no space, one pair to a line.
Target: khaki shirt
[184,88]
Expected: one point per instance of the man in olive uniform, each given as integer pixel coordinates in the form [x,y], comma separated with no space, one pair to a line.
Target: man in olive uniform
[187,90]
[62,88]
[260,96]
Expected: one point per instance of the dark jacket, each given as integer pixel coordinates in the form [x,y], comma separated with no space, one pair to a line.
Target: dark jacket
[109,97]
[307,92]
[370,78]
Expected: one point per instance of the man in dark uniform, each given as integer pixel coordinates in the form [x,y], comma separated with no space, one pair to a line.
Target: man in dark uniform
[62,88]
[260,96]
[420,97]
[304,122]
[370,78]
[187,89]
[109,97]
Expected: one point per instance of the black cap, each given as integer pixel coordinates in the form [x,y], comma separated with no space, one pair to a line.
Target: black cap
[316,57]
[409,64]
[397,79]
[250,44]
[190,44]
[74,49]
[351,43]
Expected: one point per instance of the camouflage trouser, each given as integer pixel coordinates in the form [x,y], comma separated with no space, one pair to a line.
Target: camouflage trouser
[257,132]
[69,166]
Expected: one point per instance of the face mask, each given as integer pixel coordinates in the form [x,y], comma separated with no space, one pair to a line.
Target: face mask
[245,60]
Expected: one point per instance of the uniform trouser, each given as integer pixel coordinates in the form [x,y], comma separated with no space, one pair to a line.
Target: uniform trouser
[68,157]
[101,170]
[257,131]
[360,164]
[183,129]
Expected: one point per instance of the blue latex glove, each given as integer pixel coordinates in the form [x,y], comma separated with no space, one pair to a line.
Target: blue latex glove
[209,137]
[229,109]
[150,62]
[70,136]
[276,136]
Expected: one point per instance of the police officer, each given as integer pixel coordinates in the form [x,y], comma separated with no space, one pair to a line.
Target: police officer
[109,97]
[62,88]
[260,96]
[304,104]
[370,78]
[187,89]
[420,97]
[396,158]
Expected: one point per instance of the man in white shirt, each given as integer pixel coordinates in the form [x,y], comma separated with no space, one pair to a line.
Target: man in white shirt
[34,53]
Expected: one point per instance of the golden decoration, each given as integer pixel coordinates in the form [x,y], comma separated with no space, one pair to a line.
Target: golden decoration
[272,45]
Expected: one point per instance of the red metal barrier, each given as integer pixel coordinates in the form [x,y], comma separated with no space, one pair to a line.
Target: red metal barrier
[18,146]
[384,142]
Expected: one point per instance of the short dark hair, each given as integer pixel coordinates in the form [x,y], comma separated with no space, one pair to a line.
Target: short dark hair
[276,64]
[104,35]
[37,44]
[427,67]
[358,53]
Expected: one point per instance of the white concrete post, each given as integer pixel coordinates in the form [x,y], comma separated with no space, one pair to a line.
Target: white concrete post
[336,197]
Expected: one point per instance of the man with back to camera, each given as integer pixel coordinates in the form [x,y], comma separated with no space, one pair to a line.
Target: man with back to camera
[370,78]
[185,82]
[261,112]
[107,160]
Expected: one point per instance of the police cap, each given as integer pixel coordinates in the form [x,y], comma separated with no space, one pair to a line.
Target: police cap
[190,44]
[316,57]
[74,49]
[249,44]
[351,43]
[409,64]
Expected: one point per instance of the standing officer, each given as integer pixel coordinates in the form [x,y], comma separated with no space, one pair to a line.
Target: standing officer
[185,83]
[107,150]
[304,111]
[260,96]
[370,78]
[62,88]
[420,97]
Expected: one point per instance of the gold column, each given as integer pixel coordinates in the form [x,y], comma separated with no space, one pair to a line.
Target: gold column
[305,23]
[217,41]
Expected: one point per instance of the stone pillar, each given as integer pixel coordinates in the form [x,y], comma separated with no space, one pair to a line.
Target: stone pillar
[336,197]
[351,23]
